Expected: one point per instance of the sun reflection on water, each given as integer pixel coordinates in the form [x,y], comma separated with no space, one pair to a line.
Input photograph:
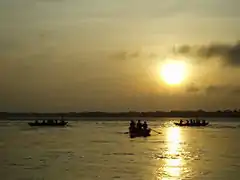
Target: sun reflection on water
[173,139]
[173,161]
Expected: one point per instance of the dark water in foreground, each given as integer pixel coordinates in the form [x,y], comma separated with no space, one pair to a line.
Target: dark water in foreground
[89,150]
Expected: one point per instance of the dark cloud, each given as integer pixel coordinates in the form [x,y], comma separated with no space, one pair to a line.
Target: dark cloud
[124,55]
[128,55]
[192,88]
[222,89]
[50,1]
[229,53]
[236,90]
[184,49]
[214,89]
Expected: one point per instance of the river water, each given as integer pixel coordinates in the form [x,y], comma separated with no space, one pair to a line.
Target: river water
[99,149]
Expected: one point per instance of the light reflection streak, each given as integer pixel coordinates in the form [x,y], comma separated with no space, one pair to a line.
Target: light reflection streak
[172,167]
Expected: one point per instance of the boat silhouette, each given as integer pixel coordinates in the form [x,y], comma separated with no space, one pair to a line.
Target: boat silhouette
[192,124]
[139,133]
[48,123]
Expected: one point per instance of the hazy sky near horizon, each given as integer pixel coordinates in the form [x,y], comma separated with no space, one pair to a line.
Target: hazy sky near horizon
[78,55]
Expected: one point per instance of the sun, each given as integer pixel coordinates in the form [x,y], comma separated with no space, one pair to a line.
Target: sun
[173,72]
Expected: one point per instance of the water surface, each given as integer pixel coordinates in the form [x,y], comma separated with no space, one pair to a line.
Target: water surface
[100,150]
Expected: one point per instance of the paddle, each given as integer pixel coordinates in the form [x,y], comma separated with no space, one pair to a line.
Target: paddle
[156,131]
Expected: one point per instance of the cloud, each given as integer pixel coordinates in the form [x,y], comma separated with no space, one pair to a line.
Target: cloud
[124,55]
[50,1]
[228,53]
[192,88]
[236,90]
[214,89]
[222,89]
[128,55]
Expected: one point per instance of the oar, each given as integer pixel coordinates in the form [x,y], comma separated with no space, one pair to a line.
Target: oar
[156,131]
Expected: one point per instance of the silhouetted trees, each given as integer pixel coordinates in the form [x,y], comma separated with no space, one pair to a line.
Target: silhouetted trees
[173,113]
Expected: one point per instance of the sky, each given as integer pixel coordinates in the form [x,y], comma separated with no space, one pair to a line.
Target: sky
[105,55]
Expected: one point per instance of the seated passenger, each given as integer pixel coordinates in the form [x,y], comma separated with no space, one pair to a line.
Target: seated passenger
[145,125]
[181,121]
[132,125]
[139,125]
[50,121]
[191,121]
[198,121]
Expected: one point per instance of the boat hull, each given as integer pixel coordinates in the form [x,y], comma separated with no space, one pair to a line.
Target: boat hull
[142,133]
[192,125]
[48,124]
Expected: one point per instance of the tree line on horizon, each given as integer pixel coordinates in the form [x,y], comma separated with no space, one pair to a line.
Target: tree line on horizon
[172,113]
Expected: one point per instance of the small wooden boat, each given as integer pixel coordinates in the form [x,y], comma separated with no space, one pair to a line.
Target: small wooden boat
[192,125]
[141,133]
[51,124]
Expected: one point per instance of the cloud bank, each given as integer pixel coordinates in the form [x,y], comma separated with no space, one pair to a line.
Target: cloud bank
[217,90]
[228,53]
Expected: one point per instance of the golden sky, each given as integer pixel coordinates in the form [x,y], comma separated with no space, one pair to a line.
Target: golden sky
[77,55]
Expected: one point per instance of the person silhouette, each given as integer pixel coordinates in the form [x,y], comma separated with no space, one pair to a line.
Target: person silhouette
[139,125]
[145,125]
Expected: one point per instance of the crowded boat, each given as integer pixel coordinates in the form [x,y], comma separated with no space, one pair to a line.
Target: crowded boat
[48,123]
[192,122]
[139,129]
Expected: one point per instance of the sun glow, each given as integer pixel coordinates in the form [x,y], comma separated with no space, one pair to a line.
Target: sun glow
[173,72]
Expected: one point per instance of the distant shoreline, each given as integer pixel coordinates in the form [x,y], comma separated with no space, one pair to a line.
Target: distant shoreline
[131,114]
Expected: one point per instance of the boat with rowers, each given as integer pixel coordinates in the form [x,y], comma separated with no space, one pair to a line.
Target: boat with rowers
[51,123]
[141,130]
[192,123]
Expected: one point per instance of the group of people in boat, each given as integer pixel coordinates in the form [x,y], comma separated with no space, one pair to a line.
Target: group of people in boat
[138,127]
[49,121]
[193,122]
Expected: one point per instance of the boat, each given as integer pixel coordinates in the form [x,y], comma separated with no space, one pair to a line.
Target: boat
[141,133]
[48,123]
[192,125]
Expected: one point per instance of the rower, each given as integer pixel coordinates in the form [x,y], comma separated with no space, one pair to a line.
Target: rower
[191,121]
[50,121]
[132,125]
[198,122]
[145,125]
[139,125]
[181,121]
